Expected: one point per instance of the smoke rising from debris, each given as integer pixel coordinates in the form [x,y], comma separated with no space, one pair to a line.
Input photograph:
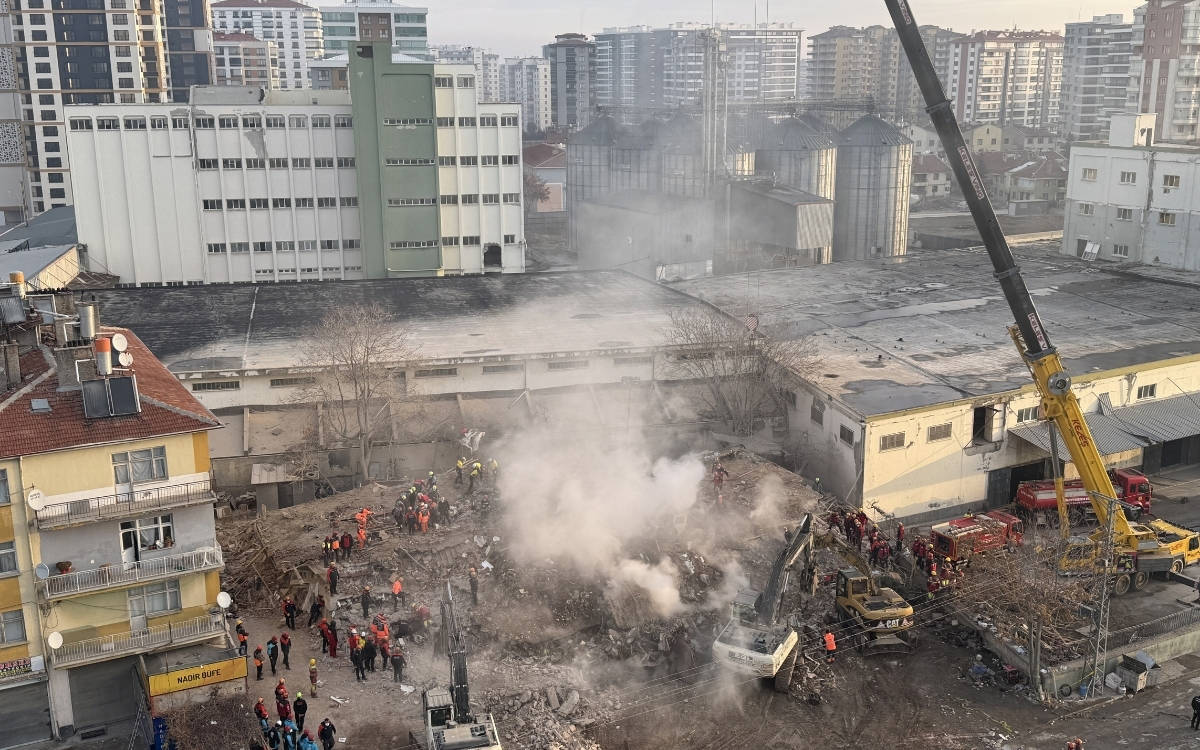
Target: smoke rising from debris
[770,503]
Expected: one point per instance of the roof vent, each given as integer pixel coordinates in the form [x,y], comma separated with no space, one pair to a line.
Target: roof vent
[40,406]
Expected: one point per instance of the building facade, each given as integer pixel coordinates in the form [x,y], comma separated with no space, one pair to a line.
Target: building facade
[526,81]
[243,60]
[1133,199]
[572,68]
[108,543]
[487,66]
[188,28]
[626,71]
[1164,67]
[439,172]
[375,20]
[294,27]
[1095,75]
[1008,77]
[14,195]
[229,189]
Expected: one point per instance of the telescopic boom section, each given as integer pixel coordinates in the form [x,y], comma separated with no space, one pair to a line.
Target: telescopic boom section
[456,649]
[1058,401]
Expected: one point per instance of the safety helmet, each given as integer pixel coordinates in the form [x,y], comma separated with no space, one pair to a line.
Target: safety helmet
[279,722]
[239,622]
[299,695]
[311,663]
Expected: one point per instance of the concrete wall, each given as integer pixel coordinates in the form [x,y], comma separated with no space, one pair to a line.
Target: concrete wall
[819,448]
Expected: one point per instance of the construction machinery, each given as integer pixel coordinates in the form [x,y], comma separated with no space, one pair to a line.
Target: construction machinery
[449,722]
[754,642]
[1037,500]
[875,617]
[1123,551]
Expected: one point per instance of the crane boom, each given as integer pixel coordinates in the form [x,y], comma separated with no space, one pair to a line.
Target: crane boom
[1033,342]
[771,598]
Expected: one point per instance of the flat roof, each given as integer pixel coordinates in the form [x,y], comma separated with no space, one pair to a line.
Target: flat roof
[225,327]
[54,227]
[930,327]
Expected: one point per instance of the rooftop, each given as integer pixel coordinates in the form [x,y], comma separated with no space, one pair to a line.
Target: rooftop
[263,4]
[167,407]
[29,260]
[55,227]
[931,327]
[781,193]
[240,327]
[545,156]
[221,36]
[928,164]
[1049,168]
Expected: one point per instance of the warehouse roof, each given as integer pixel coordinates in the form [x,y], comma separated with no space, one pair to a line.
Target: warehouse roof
[243,327]
[931,327]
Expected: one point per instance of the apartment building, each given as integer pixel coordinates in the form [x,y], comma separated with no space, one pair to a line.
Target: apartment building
[1134,199]
[188,28]
[351,21]
[1008,77]
[108,548]
[439,172]
[233,187]
[572,67]
[1164,67]
[294,27]
[243,60]
[526,81]
[1095,75]
[626,68]
[487,66]
[14,205]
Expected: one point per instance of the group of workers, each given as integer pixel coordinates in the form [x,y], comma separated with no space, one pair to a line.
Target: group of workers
[336,547]
[476,471]
[288,732]
[940,573]
[859,528]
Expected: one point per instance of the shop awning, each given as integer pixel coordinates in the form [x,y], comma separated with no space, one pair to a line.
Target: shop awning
[1117,430]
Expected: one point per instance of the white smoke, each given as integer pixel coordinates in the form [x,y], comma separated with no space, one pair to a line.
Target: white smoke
[770,502]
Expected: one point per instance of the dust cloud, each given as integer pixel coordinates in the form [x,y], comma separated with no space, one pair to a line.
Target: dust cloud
[770,502]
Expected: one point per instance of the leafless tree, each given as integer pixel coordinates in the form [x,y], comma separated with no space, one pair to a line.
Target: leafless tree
[220,721]
[536,190]
[744,373]
[351,355]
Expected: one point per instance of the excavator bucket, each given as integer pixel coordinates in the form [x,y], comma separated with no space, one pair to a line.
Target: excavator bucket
[886,644]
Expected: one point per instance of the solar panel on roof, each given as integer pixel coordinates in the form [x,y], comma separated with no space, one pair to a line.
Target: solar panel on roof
[95,399]
[124,395]
[12,309]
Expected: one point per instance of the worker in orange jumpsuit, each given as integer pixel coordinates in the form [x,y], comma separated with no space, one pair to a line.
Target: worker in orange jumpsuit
[423,517]
[362,537]
[397,593]
[830,647]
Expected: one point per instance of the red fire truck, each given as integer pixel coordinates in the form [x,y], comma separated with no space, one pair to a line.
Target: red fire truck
[1036,501]
[971,535]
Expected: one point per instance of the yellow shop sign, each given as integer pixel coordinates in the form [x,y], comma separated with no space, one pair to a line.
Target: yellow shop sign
[205,674]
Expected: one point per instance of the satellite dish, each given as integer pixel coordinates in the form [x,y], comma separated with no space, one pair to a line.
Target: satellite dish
[119,342]
[42,571]
[55,639]
[224,600]
[125,358]
[36,499]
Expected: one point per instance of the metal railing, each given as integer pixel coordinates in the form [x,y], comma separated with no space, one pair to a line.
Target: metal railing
[110,646]
[121,574]
[89,510]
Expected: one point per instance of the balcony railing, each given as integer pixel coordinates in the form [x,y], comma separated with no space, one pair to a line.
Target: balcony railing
[92,509]
[124,574]
[141,641]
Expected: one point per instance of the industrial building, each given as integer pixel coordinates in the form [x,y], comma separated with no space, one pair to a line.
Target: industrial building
[921,407]
[1133,199]
[1095,75]
[295,28]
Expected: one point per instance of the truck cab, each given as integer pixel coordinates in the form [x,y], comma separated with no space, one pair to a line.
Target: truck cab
[1133,487]
[443,732]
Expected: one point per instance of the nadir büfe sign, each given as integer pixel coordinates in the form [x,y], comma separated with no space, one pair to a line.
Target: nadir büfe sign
[199,676]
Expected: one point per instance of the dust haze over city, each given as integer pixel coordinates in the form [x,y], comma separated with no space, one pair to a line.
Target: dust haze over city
[600,375]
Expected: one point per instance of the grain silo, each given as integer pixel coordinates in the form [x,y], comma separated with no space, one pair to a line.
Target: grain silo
[680,144]
[635,159]
[798,156]
[874,170]
[589,167]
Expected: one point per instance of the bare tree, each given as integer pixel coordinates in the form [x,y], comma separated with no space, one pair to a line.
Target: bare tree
[352,354]
[218,721]
[744,373]
[536,190]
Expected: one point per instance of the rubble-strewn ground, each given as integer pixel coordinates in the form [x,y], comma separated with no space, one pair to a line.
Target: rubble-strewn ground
[562,661]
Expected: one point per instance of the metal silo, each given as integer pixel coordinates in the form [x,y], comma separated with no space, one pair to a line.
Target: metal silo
[795,154]
[680,143]
[589,169]
[635,160]
[870,214]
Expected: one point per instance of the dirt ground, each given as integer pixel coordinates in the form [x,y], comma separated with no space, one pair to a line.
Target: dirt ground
[564,662]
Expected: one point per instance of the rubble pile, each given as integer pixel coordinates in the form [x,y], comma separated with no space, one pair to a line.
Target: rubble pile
[554,717]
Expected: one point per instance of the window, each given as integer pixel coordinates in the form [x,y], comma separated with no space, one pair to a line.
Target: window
[258,204]
[256,164]
[297,121]
[510,160]
[1086,209]
[1089,173]
[321,121]
[448,200]
[301,162]
[345,162]
[291,382]
[343,121]
[107,123]
[155,532]
[227,122]
[1027,414]
[891,442]
[260,247]
[155,599]
[1166,219]
[449,241]
[469,199]
[443,82]
[146,465]
[939,432]
[488,121]
[443,161]
[510,239]
[513,198]
[226,385]
[231,164]
[1124,214]
[203,123]
[351,245]
[285,246]
[491,198]
[395,162]
[466,122]
[8,557]
[846,435]
[135,123]
[1170,180]
[509,121]
[158,123]
[281,203]
[1121,251]
[471,240]
[397,202]
[445,122]
[326,202]
[208,163]
[5,498]
[1147,391]
[211,204]
[571,364]
[404,244]
[498,369]
[407,121]
[1129,178]
[275,121]
[468,161]
[278,163]
[817,412]
[12,627]
[466,82]
[489,161]
[438,372]
[179,123]
[216,247]
[251,121]
[303,202]
[81,123]
[348,201]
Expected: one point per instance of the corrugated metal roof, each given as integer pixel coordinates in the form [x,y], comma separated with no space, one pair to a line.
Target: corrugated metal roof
[1106,431]
[1116,430]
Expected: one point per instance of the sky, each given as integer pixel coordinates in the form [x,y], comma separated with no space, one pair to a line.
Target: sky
[521,27]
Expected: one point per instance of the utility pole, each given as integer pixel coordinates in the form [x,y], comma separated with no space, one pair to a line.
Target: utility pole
[1094,667]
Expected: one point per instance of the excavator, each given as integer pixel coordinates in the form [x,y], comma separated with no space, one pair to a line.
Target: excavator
[877,617]
[1138,549]
[754,642]
[449,723]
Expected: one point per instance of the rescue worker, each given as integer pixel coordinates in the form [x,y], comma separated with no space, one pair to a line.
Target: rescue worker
[336,545]
[300,708]
[326,549]
[285,647]
[830,647]
[423,517]
[365,600]
[362,537]
[411,519]
[474,579]
[275,736]
[1196,712]
[397,593]
[398,663]
[899,537]
[283,706]
[273,652]
[323,630]
[242,637]
[369,653]
[430,482]
[306,741]
[260,710]
[476,470]
[347,543]
[719,475]
[458,469]
[356,658]
[291,737]
[333,639]
[289,612]
[332,576]
[258,662]
[327,733]
[312,677]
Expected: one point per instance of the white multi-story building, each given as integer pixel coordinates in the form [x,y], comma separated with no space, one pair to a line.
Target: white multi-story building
[14,205]
[242,60]
[761,62]
[1008,77]
[1164,67]
[294,27]
[526,81]
[375,21]
[1133,199]
[228,188]
[487,66]
[1095,75]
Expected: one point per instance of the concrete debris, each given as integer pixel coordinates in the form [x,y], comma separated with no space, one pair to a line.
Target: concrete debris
[569,705]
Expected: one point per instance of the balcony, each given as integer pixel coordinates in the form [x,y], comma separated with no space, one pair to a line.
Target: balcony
[139,642]
[128,574]
[124,504]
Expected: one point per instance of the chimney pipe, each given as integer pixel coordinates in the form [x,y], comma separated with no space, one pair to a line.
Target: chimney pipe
[87,320]
[10,366]
[17,279]
[104,357]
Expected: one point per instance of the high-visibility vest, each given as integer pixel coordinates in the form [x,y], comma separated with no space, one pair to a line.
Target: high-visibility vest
[830,642]
[397,587]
